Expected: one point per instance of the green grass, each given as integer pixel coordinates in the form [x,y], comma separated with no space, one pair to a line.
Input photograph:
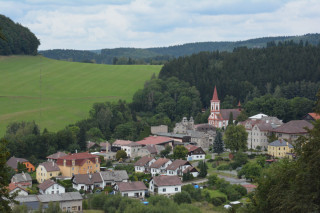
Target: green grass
[214,193]
[66,91]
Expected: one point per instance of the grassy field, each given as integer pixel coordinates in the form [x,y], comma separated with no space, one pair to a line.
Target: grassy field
[56,93]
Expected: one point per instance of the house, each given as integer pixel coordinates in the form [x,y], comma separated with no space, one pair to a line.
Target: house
[87,182]
[47,170]
[68,202]
[150,150]
[184,125]
[92,146]
[78,163]
[280,149]
[143,164]
[311,117]
[259,127]
[23,179]
[177,167]
[135,189]
[54,157]
[105,147]
[195,153]
[292,130]
[202,139]
[13,163]
[156,140]
[51,187]
[15,187]
[220,117]
[110,178]
[192,171]
[160,166]
[176,136]
[131,149]
[165,185]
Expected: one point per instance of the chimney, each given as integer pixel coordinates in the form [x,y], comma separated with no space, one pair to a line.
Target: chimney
[90,175]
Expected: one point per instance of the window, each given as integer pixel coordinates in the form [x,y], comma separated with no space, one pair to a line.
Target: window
[74,208]
[125,194]
[176,189]
[164,190]
[50,174]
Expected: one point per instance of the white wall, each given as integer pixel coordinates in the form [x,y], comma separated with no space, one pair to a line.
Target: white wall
[198,157]
[139,169]
[55,188]
[132,193]
[168,190]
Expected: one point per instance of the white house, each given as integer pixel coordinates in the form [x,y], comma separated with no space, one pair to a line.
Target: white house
[192,171]
[195,153]
[110,178]
[131,149]
[177,167]
[160,166]
[13,187]
[143,164]
[131,189]
[87,182]
[165,185]
[51,187]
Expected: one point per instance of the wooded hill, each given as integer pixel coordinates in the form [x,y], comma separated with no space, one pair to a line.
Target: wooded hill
[19,40]
[163,54]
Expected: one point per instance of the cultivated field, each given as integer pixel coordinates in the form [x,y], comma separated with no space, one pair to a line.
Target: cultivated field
[56,93]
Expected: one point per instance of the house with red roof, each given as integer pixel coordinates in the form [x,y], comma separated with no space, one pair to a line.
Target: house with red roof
[160,166]
[15,187]
[156,140]
[195,153]
[312,116]
[219,117]
[78,163]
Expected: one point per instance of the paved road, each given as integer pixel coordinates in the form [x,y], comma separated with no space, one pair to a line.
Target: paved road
[234,180]
[195,181]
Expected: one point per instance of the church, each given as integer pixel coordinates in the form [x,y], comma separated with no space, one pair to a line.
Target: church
[219,117]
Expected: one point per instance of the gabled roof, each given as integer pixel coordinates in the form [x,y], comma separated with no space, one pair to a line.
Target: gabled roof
[177,163]
[121,142]
[167,180]
[191,148]
[68,196]
[46,184]
[13,186]
[294,127]
[87,179]
[77,156]
[215,94]
[315,116]
[50,166]
[57,155]
[133,144]
[116,175]
[143,161]
[91,144]
[155,140]
[13,162]
[190,169]
[22,177]
[131,186]
[280,142]
[225,113]
[159,162]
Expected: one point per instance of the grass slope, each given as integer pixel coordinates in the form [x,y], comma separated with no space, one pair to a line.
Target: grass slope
[67,89]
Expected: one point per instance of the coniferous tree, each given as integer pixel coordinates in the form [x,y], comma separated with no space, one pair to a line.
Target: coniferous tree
[203,169]
[218,143]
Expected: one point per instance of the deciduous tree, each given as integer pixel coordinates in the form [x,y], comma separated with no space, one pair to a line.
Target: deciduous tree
[235,138]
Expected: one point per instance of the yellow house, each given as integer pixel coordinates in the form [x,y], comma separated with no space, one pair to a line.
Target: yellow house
[280,149]
[78,163]
[46,171]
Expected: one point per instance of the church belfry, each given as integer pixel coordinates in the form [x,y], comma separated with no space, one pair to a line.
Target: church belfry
[214,108]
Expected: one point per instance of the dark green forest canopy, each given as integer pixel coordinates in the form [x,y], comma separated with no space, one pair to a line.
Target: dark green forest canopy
[19,40]
[249,73]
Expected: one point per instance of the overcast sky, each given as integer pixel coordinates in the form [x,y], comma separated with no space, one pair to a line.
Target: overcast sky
[97,24]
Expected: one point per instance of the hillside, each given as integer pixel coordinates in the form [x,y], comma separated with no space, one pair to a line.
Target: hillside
[18,39]
[165,53]
[56,93]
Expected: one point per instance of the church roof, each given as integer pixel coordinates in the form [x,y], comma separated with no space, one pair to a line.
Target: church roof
[215,94]
[225,113]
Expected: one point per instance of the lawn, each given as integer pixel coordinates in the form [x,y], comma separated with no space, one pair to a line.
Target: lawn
[57,93]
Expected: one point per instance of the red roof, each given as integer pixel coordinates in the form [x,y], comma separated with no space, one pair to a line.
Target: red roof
[191,148]
[80,158]
[215,94]
[121,142]
[315,116]
[155,140]
[12,186]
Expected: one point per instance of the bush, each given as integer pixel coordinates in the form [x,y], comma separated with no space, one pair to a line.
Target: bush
[223,199]
[210,160]
[218,158]
[182,197]
[226,159]
[242,190]
[212,179]
[216,201]
[214,165]
[224,167]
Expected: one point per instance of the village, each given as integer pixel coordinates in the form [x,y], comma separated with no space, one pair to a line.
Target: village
[160,164]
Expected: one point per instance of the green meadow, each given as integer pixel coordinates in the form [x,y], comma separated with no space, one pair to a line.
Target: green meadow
[57,93]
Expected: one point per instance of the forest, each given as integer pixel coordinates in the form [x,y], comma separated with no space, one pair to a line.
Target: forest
[18,40]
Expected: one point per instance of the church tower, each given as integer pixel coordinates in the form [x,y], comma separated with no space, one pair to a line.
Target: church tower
[214,116]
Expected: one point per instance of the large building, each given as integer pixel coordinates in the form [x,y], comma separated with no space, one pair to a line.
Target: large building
[219,117]
[78,163]
[293,129]
[280,149]
[47,170]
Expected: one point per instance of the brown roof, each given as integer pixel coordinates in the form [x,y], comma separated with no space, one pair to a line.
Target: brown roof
[294,127]
[155,140]
[143,161]
[57,155]
[191,148]
[176,164]
[50,166]
[80,158]
[88,179]
[225,113]
[133,186]
[13,162]
[46,184]
[190,169]
[13,186]
[167,180]
[121,142]
[158,163]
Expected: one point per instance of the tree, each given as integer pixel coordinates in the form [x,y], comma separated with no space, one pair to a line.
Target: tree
[5,198]
[82,139]
[272,137]
[21,167]
[230,122]
[2,36]
[218,143]
[121,154]
[212,179]
[180,152]
[166,151]
[203,169]
[236,138]
[251,171]
[182,197]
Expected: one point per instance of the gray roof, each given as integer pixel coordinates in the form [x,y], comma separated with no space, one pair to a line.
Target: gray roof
[280,143]
[50,166]
[132,186]
[167,180]
[13,162]
[46,184]
[22,177]
[143,161]
[68,196]
[117,175]
[27,198]
[57,155]
[88,179]
[172,135]
[294,127]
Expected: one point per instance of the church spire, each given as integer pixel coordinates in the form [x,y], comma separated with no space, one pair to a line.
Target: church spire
[215,94]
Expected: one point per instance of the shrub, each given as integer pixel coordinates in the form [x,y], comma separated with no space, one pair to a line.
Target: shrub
[224,167]
[212,179]
[210,160]
[218,158]
[216,201]
[214,165]
[242,190]
[223,199]
[226,159]
[182,197]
